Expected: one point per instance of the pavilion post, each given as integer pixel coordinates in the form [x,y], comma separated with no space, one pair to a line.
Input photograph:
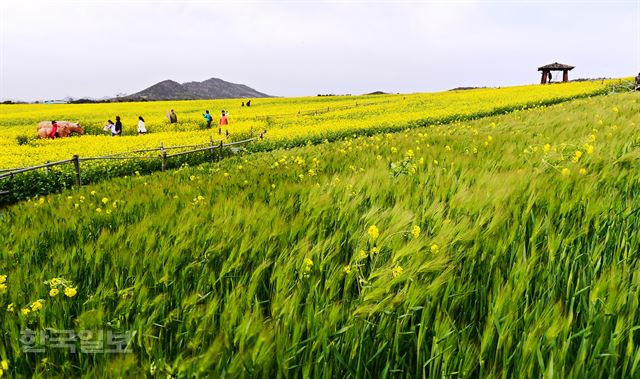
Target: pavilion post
[565,75]
[545,74]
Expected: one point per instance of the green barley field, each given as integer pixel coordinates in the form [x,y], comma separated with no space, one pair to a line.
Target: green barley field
[502,247]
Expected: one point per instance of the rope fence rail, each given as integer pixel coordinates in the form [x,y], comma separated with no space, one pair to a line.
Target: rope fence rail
[317,111]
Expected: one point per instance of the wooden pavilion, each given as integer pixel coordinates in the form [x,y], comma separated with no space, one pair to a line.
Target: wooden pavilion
[546,71]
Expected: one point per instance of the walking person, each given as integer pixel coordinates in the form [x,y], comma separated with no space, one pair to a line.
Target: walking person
[208,117]
[118,127]
[223,121]
[141,128]
[638,82]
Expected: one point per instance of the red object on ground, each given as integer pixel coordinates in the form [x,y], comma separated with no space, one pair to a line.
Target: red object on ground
[54,130]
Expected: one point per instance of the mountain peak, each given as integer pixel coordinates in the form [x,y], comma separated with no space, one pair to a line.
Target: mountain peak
[212,88]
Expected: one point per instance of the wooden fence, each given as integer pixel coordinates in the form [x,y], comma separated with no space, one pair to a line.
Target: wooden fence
[163,156]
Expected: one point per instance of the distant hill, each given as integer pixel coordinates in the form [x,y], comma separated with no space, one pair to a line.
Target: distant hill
[213,88]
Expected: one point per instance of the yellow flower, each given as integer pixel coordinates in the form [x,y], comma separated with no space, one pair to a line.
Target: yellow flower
[615,109]
[25,311]
[308,262]
[565,172]
[54,282]
[93,192]
[347,269]
[192,177]
[583,171]
[98,209]
[379,157]
[577,156]
[547,148]
[394,150]
[4,364]
[70,292]
[434,248]
[10,308]
[3,279]
[3,288]
[54,292]
[362,254]
[409,153]
[105,200]
[37,305]
[415,231]
[589,149]
[397,271]
[375,249]
[373,232]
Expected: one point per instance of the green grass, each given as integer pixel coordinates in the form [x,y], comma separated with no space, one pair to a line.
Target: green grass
[521,269]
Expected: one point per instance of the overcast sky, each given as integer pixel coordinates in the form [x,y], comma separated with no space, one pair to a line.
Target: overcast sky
[52,49]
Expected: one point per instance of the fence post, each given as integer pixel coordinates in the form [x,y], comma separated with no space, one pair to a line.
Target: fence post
[164,159]
[76,163]
[220,152]
[211,150]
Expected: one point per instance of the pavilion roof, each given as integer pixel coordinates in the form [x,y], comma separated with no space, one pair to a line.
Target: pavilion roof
[556,66]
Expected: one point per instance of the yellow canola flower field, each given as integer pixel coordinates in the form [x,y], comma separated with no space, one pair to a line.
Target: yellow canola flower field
[282,118]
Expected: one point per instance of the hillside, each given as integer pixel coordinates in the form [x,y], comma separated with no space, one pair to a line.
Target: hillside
[213,88]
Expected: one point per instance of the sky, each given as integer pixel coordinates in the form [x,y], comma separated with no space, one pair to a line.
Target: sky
[51,49]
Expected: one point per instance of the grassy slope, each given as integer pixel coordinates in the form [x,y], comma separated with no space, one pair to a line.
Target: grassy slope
[518,269]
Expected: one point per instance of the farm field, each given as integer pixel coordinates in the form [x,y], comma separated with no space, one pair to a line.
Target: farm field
[505,246]
[335,116]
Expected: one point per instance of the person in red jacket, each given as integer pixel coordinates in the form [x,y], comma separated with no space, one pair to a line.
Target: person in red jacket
[54,130]
[223,121]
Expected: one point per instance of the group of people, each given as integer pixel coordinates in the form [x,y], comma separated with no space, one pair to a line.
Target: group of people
[116,128]
[224,121]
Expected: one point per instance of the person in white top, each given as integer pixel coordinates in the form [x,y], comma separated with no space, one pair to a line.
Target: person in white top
[141,128]
[110,127]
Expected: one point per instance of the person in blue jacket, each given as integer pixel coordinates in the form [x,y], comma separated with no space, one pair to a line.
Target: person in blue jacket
[208,117]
